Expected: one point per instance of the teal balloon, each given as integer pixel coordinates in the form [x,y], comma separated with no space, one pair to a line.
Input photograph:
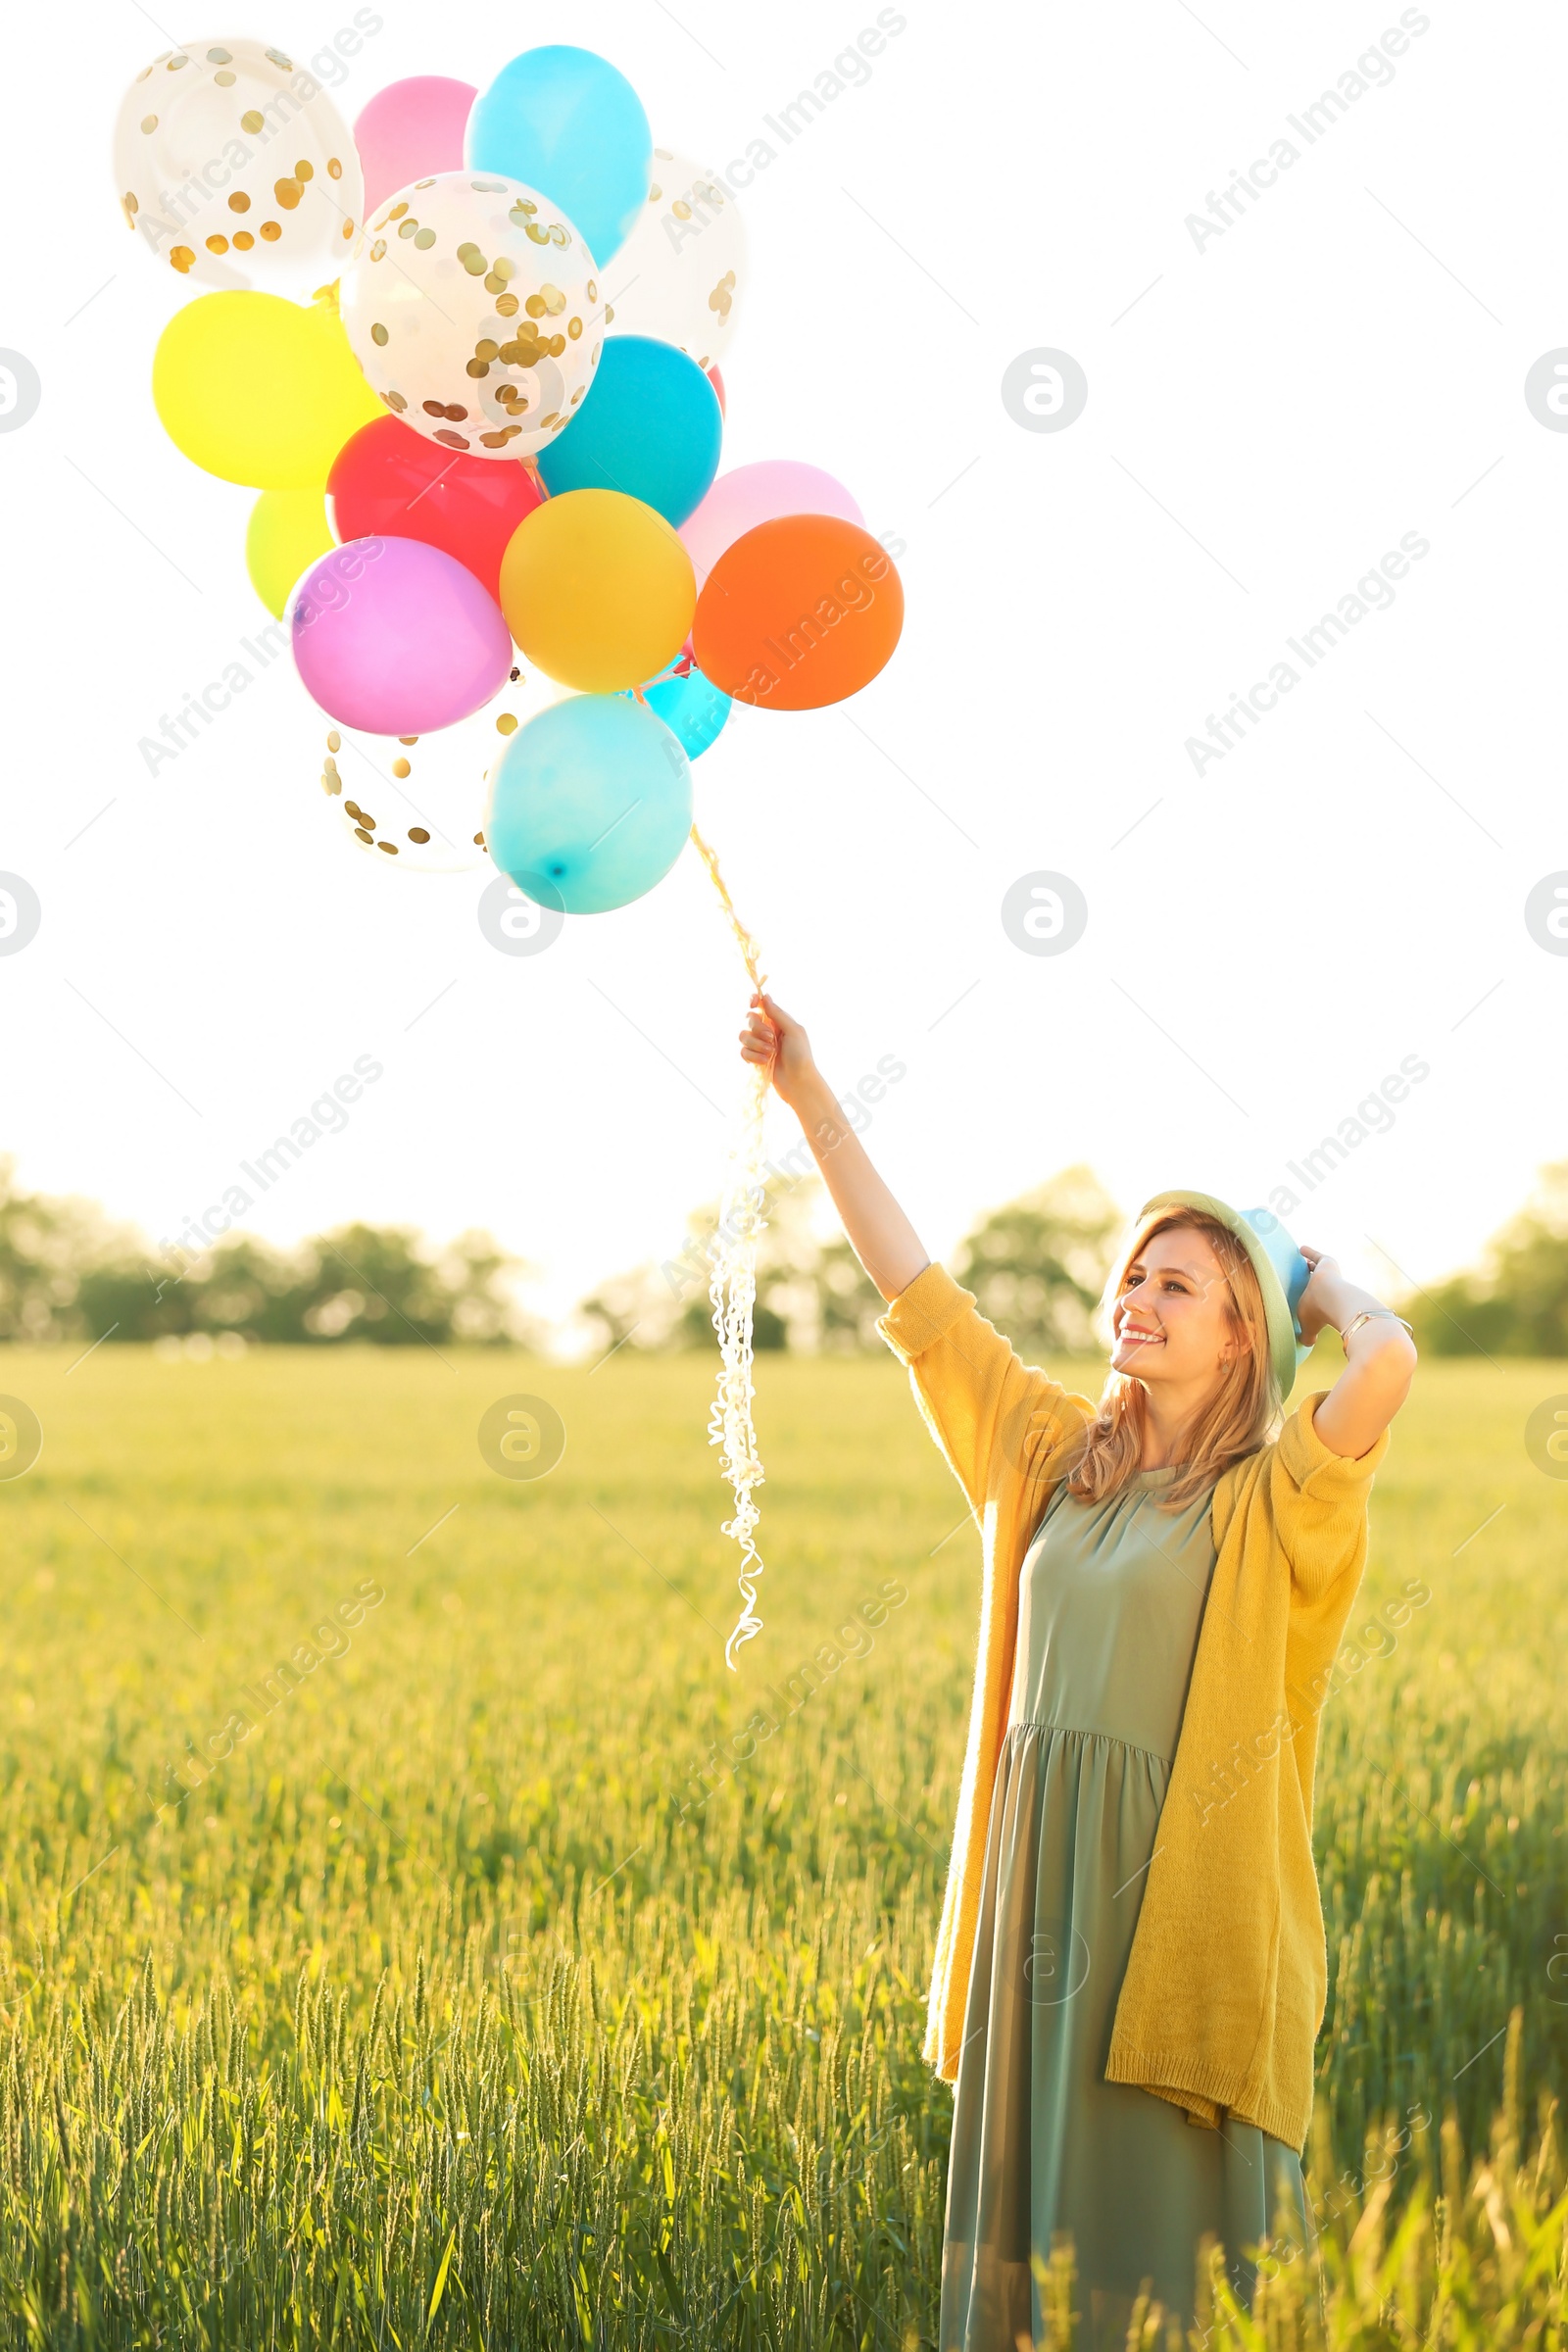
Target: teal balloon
[563,121]
[692,710]
[590,804]
[650,425]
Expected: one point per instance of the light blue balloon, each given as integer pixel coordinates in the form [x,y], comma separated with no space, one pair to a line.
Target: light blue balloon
[590,804]
[650,426]
[691,707]
[563,121]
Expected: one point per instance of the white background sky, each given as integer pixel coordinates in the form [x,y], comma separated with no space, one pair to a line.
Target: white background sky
[1344,365]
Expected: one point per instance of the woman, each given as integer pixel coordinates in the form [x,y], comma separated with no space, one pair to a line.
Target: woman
[1130,1969]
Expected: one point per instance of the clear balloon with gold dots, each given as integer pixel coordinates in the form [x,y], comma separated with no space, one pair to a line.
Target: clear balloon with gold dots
[235,169]
[477,313]
[416,803]
[682,273]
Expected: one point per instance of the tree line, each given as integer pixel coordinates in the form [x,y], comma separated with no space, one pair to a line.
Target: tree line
[68,1274]
[1037,1264]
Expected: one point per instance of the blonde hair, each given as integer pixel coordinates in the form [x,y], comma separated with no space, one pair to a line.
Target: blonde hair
[1238,1417]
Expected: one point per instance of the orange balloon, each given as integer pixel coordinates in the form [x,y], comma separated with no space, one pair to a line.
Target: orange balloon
[798,612]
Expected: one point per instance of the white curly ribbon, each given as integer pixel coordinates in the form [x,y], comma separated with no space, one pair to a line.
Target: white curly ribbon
[732,1288]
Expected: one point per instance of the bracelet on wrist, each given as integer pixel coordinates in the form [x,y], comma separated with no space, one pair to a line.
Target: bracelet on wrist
[1371,1314]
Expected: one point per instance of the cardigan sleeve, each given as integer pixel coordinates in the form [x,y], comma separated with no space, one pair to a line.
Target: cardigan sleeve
[1319,1500]
[974,1391]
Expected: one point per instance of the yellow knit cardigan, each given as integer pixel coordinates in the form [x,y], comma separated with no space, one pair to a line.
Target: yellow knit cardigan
[1226,1981]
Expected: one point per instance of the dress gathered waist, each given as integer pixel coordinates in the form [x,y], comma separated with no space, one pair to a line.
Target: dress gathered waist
[1081,1730]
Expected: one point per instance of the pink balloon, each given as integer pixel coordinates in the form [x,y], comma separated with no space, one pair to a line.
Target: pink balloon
[398,638]
[761,493]
[410,131]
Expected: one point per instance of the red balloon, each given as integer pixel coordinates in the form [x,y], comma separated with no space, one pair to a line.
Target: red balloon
[389,482]
[717,382]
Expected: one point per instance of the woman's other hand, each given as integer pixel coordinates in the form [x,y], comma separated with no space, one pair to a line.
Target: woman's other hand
[1322,1301]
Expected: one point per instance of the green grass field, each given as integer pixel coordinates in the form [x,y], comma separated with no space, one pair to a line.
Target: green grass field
[436,2012]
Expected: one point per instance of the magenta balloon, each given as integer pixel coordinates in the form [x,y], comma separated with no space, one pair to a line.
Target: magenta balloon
[410,131]
[752,494]
[398,638]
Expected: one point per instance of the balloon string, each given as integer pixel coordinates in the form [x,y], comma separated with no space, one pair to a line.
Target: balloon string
[747,945]
[732,1288]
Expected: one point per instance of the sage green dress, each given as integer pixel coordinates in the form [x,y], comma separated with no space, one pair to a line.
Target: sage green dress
[1111,1601]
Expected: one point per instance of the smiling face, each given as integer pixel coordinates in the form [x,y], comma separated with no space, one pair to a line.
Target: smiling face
[1173,1322]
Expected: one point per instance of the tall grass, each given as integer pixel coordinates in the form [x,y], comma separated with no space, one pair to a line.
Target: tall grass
[442,2011]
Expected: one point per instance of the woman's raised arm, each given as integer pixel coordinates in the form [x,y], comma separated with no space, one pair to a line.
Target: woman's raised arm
[1379,1360]
[879,1232]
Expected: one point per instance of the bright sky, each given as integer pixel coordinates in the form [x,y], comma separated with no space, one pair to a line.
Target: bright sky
[1271,410]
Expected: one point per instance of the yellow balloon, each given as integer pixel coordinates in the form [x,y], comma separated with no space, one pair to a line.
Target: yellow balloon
[260,390]
[597,590]
[287,530]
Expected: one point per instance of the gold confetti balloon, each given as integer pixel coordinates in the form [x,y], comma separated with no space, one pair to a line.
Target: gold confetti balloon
[477,313]
[235,169]
[680,274]
[416,803]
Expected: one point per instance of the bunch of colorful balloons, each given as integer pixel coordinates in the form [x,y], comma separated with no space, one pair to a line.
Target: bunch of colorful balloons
[467,353]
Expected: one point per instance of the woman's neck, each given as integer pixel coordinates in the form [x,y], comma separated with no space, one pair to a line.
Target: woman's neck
[1166,1421]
